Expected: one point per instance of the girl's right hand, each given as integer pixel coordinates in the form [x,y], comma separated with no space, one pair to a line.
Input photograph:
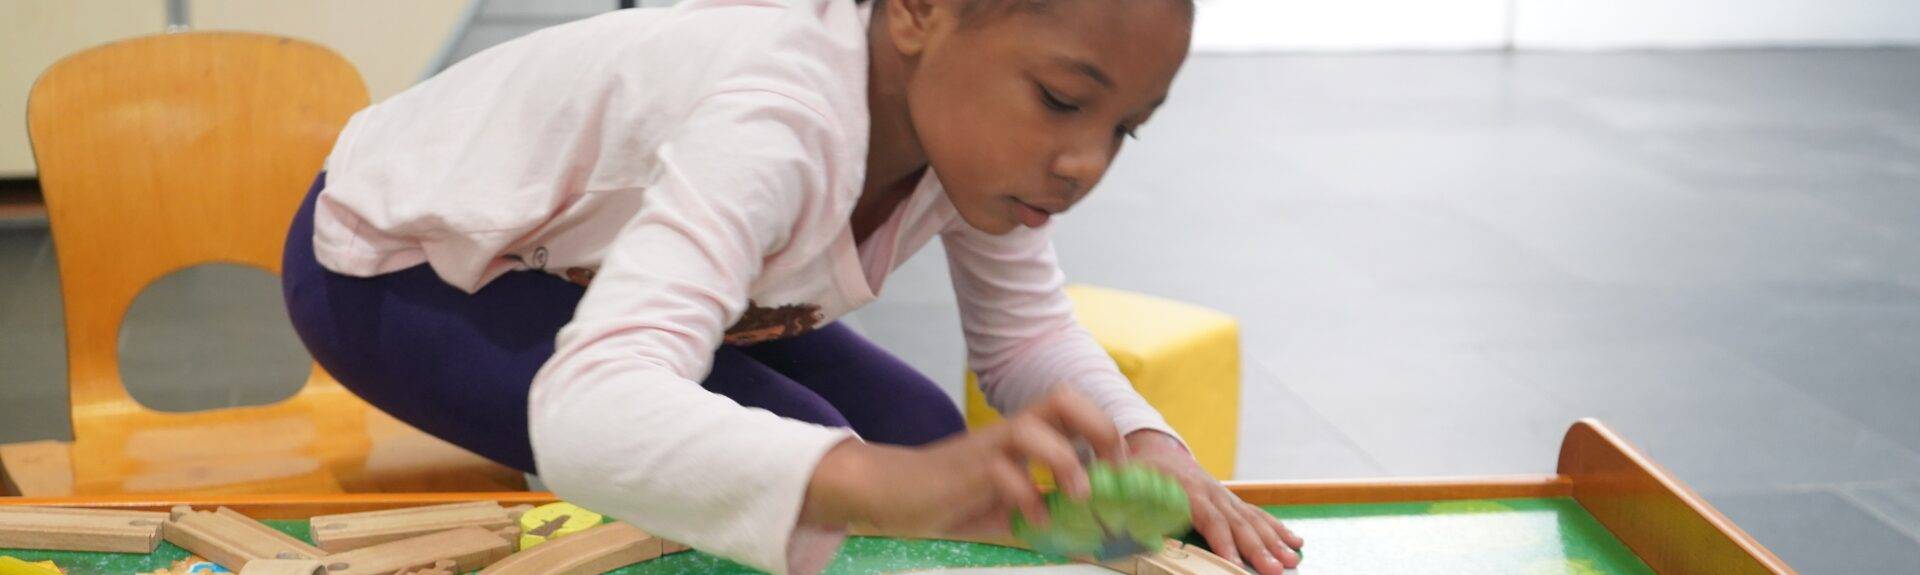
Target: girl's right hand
[965,484]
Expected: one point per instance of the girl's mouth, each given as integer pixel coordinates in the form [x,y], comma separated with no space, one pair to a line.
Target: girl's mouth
[1029,215]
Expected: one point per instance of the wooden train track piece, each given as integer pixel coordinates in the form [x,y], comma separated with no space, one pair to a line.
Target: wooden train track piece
[594,551]
[469,548]
[668,547]
[284,567]
[441,567]
[1188,560]
[232,540]
[57,529]
[346,532]
[1176,559]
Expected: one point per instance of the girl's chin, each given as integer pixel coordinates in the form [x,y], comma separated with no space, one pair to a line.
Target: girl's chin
[996,224]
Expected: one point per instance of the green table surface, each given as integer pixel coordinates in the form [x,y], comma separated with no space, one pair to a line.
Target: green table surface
[1521,536]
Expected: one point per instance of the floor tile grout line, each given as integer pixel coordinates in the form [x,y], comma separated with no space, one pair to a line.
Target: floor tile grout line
[1513,373]
[1781,384]
[1758,374]
[1814,487]
[1339,433]
[1877,514]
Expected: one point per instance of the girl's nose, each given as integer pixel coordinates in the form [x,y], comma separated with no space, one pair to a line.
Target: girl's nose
[1082,166]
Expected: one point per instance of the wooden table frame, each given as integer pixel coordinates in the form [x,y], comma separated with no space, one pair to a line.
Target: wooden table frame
[1666,524]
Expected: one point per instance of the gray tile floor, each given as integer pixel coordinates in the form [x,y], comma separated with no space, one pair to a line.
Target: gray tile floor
[1439,262]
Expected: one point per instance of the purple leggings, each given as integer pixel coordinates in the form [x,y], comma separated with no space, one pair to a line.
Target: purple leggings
[459,365]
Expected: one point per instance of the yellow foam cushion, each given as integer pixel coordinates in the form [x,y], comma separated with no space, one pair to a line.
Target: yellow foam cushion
[1184,359]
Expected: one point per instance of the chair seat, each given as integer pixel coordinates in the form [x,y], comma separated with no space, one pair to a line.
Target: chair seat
[323,440]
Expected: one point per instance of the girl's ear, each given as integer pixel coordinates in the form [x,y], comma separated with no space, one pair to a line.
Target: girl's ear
[912,23]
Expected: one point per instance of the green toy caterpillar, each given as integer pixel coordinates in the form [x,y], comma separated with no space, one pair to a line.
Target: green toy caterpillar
[1131,510]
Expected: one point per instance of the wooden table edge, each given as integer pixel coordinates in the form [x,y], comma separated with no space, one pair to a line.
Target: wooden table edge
[1658,517]
[1663,521]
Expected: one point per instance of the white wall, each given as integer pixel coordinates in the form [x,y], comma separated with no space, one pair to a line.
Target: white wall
[1244,25]
[1233,25]
[389,42]
[1700,23]
[34,35]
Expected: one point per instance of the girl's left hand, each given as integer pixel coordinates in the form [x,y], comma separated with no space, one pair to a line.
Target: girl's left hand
[1233,528]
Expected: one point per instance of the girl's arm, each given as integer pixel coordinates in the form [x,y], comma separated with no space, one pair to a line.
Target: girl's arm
[1022,338]
[618,419]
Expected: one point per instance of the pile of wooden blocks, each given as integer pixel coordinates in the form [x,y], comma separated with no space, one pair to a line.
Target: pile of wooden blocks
[437,540]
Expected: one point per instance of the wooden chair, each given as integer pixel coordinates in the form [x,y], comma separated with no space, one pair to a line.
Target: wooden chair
[164,152]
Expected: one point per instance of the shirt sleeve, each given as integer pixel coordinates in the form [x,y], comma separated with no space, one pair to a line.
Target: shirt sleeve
[1022,338]
[619,422]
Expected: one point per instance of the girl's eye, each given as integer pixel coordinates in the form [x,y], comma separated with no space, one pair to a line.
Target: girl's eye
[1055,103]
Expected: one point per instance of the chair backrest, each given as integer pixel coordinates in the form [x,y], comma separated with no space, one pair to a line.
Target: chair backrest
[165,152]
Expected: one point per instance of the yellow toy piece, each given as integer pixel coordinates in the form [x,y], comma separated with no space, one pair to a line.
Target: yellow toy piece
[552,521]
[14,566]
[1184,359]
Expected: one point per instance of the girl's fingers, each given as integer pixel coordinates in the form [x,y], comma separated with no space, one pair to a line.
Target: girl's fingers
[1034,440]
[1077,416]
[1269,537]
[1213,527]
[1252,552]
[1286,535]
[1017,490]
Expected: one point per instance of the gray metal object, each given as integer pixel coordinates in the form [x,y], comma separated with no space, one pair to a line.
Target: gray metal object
[178,20]
[444,57]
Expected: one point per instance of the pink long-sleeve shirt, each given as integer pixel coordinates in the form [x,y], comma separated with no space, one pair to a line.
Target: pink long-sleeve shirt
[697,167]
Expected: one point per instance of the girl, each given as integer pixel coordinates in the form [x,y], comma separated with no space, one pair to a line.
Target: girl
[611,252]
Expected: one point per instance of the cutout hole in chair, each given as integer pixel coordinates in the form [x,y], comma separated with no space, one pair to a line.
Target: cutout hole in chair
[211,336]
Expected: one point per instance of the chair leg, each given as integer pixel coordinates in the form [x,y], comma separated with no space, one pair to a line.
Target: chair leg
[36,469]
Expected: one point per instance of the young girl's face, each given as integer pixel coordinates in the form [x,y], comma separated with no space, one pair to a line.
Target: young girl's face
[1020,108]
